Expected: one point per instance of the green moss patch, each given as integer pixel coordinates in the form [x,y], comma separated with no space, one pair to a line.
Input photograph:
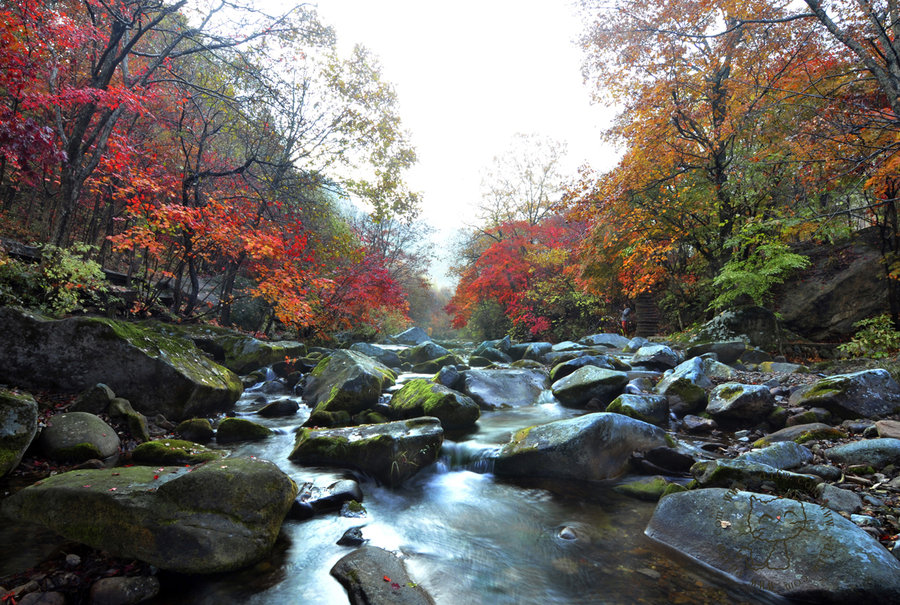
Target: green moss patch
[173,452]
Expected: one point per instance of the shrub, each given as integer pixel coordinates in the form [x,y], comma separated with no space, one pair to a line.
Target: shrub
[876,339]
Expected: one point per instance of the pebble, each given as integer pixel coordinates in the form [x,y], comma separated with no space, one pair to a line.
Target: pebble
[567,533]
[73,561]
[352,537]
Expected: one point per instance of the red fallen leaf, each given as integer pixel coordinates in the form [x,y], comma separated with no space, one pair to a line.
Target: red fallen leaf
[112,489]
[387,579]
[395,586]
[156,476]
[85,486]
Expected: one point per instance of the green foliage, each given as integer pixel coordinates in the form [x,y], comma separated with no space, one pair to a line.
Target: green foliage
[760,262]
[62,282]
[488,321]
[876,339]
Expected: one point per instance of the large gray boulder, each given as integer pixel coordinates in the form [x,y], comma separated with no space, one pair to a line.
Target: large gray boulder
[686,387]
[210,518]
[78,436]
[427,351]
[592,447]
[346,381]
[875,452]
[655,357]
[781,455]
[504,388]
[740,402]
[799,550]
[372,575]
[590,383]
[421,397]
[391,452]
[755,325]
[612,341]
[158,374]
[645,407]
[866,394]
[18,426]
[727,352]
[379,354]
[413,336]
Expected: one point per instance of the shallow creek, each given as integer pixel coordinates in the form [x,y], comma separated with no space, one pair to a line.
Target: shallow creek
[468,538]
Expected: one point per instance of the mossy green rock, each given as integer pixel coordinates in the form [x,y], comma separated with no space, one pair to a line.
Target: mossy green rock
[173,452]
[390,452]
[648,488]
[421,397]
[747,474]
[78,436]
[18,426]
[799,550]
[347,381]
[592,447]
[735,401]
[216,517]
[198,430]
[649,408]
[801,433]
[137,423]
[866,394]
[158,374]
[584,384]
[238,429]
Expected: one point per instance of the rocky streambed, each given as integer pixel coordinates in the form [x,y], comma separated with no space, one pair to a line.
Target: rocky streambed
[602,471]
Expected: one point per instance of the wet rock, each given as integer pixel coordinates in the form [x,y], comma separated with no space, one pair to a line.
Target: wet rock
[426,351]
[655,357]
[120,409]
[799,550]
[592,447]
[587,383]
[740,402]
[537,351]
[18,426]
[562,370]
[352,537]
[875,452]
[372,575]
[78,436]
[43,598]
[198,430]
[746,474]
[727,352]
[170,452]
[450,377]
[501,388]
[279,408]
[123,590]
[353,510]
[886,428]
[205,519]
[782,455]
[379,354]
[434,365]
[801,433]
[155,372]
[413,336]
[649,408]
[93,400]
[810,416]
[346,381]
[686,387]
[231,430]
[390,452]
[613,341]
[495,355]
[648,488]
[866,394]
[837,499]
[698,424]
[825,471]
[420,397]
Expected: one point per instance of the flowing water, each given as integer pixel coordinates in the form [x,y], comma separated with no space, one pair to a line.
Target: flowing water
[467,537]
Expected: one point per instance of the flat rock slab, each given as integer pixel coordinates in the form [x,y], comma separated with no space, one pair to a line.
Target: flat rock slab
[796,549]
[865,394]
[373,576]
[504,388]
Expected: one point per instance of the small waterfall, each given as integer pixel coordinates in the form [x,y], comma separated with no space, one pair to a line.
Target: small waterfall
[270,374]
[467,456]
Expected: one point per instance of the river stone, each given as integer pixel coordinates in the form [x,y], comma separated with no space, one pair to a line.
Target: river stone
[562,370]
[156,373]
[799,550]
[592,447]
[613,341]
[685,387]
[584,384]
[502,344]
[121,409]
[171,452]
[211,518]
[874,452]
[18,426]
[413,336]
[495,355]
[347,381]
[655,357]
[888,428]
[420,397]
[198,430]
[780,367]
[279,408]
[751,475]
[94,400]
[727,352]
[379,354]
[734,401]
[716,369]
[866,394]
[373,576]
[537,351]
[427,351]
[782,455]
[801,433]
[837,499]
[123,590]
[78,436]
[231,430]
[649,408]
[504,388]
[391,452]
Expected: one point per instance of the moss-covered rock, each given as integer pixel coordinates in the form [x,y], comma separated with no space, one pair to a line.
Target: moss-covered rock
[211,518]
[169,452]
[801,433]
[588,383]
[238,429]
[198,430]
[78,436]
[746,474]
[866,394]
[649,408]
[424,398]
[686,387]
[121,409]
[18,426]
[158,374]
[347,381]
[390,452]
[649,488]
[740,402]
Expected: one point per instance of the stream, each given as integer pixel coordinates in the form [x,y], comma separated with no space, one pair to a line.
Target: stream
[466,537]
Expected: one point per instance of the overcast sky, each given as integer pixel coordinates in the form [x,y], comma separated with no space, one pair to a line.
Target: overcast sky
[469,75]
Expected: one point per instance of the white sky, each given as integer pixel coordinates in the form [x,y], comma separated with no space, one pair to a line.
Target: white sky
[469,75]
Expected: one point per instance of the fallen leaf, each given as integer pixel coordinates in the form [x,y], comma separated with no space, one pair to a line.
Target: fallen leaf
[724,524]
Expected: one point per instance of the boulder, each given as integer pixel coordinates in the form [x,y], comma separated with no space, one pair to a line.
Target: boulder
[801,433]
[742,402]
[198,430]
[421,397]
[503,345]
[726,352]
[589,383]
[888,428]
[648,408]
[871,452]
[866,394]
[171,452]
[413,336]
[562,370]
[655,357]
[206,519]
[717,369]
[94,400]
[592,447]
[781,455]
[390,452]
[18,426]
[372,575]
[756,325]
[495,355]
[231,430]
[837,499]
[799,550]
[78,436]
[685,387]
[537,351]
[427,351]
[379,354]
[279,408]
[346,381]
[156,373]
[613,341]
[747,474]
[504,388]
